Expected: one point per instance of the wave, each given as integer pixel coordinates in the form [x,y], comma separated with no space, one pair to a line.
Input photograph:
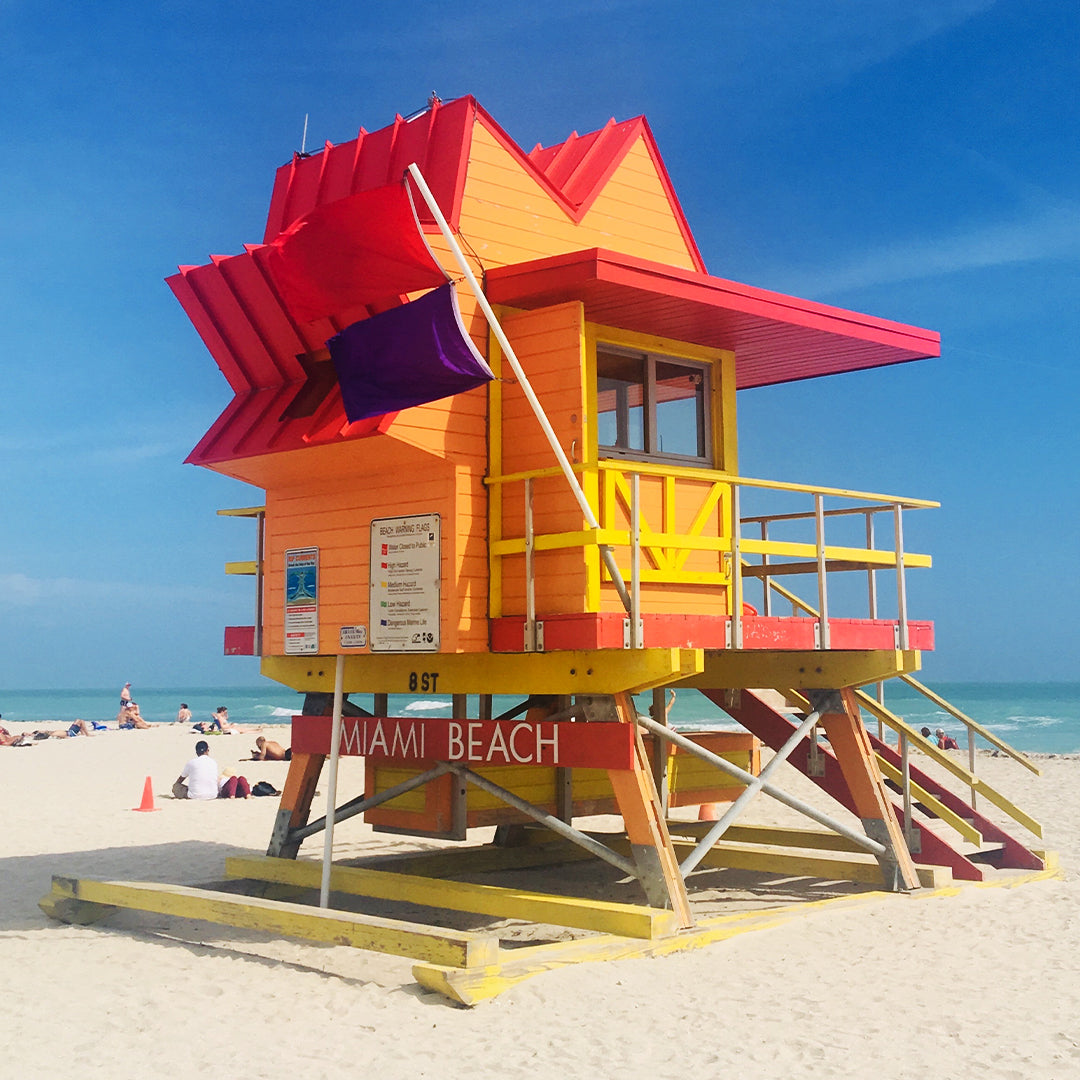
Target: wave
[427,706]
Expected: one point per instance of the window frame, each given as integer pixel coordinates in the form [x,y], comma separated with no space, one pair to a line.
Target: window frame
[651,357]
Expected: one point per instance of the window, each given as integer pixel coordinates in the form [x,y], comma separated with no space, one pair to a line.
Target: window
[652,406]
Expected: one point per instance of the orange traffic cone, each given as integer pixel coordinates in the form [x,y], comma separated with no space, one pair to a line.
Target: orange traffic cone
[147,797]
[708,811]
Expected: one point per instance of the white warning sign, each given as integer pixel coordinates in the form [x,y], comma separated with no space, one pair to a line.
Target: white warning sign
[405,584]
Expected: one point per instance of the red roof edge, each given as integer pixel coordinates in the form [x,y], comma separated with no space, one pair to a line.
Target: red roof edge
[438,141]
[599,162]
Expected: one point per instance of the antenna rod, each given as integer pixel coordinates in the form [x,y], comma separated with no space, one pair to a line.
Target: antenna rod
[303,139]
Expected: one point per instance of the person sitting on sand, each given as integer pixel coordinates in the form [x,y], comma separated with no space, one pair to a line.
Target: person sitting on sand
[183,714]
[198,779]
[946,742]
[268,750]
[234,787]
[129,717]
[924,732]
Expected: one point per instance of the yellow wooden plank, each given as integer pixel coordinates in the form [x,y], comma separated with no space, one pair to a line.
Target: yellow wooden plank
[598,671]
[628,920]
[810,669]
[243,511]
[768,860]
[247,568]
[775,835]
[943,759]
[471,986]
[974,725]
[429,943]
[938,808]
[791,549]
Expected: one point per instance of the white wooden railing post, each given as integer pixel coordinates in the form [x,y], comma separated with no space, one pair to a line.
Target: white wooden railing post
[823,588]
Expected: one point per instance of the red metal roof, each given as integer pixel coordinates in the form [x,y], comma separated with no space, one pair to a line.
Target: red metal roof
[775,338]
[258,346]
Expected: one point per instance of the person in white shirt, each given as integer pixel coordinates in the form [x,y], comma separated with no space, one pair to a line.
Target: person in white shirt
[199,777]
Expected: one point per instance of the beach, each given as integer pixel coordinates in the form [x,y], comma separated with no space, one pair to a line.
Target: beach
[973,981]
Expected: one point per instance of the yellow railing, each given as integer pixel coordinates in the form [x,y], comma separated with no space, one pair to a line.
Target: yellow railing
[674,526]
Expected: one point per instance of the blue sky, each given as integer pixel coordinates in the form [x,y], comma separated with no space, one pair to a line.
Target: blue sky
[916,161]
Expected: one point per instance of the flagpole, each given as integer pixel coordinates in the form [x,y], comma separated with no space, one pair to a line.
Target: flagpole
[331,787]
[508,351]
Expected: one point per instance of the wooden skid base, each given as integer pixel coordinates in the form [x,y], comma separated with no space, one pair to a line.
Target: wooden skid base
[627,920]
[466,968]
[86,899]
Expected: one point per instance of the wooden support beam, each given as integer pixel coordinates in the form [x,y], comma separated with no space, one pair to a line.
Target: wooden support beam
[432,944]
[851,746]
[646,827]
[295,806]
[627,920]
[764,859]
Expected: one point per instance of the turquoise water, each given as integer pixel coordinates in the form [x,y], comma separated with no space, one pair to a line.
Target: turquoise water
[1035,717]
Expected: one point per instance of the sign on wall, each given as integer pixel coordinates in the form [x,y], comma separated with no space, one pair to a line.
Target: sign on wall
[405,584]
[301,601]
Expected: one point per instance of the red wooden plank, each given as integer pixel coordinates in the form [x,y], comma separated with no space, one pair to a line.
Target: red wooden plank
[604,630]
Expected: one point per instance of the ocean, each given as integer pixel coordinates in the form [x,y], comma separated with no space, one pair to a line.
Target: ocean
[1033,717]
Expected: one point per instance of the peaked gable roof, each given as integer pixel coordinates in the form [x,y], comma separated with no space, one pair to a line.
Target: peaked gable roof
[266,356]
[573,173]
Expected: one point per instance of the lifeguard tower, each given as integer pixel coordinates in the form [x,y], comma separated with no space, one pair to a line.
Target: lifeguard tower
[490,398]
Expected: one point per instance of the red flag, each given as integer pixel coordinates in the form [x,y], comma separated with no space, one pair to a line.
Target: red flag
[362,249]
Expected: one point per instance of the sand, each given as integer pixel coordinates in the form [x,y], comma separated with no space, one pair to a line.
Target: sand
[983,983]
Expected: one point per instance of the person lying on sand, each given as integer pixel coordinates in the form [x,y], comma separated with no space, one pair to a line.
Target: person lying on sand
[219,722]
[7,739]
[76,727]
[268,750]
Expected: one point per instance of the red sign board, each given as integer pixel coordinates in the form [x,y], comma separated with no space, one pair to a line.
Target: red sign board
[473,742]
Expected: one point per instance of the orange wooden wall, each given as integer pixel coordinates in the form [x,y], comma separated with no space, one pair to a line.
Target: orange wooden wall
[434,457]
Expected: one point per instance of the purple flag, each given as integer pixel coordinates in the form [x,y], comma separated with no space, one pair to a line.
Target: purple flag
[409,355]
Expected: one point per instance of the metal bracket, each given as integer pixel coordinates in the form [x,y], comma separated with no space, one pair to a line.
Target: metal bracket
[896,635]
[627,640]
[817,634]
[815,762]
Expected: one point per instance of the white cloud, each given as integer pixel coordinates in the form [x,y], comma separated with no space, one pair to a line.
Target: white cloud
[24,592]
[1044,233]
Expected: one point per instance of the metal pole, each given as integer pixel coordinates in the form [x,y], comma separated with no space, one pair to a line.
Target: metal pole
[905,772]
[822,586]
[331,787]
[871,585]
[552,822]
[530,581]
[734,811]
[901,584]
[766,587]
[806,809]
[260,551]
[736,571]
[526,387]
[635,561]
[971,762]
